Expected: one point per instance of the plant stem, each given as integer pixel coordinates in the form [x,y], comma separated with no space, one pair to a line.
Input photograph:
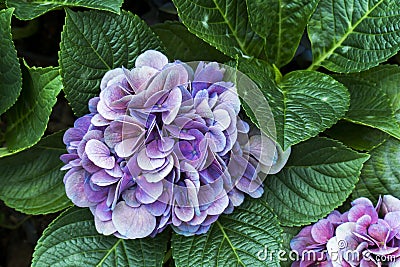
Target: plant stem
[167,256]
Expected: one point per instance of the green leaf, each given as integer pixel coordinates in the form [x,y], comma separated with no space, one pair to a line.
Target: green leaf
[27,10]
[72,240]
[27,119]
[185,46]
[94,42]
[10,72]
[356,136]
[319,176]
[288,234]
[31,181]
[237,239]
[354,35]
[381,173]
[4,152]
[387,77]
[304,103]
[370,105]
[223,24]
[281,23]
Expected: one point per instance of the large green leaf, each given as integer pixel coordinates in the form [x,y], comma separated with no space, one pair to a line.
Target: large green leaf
[10,72]
[94,42]
[72,240]
[281,23]
[238,239]
[381,173]
[374,98]
[27,119]
[31,181]
[319,176]
[185,46]
[222,23]
[27,10]
[387,77]
[304,103]
[357,136]
[354,35]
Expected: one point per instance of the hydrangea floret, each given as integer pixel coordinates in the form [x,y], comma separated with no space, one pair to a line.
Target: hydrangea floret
[164,145]
[366,235]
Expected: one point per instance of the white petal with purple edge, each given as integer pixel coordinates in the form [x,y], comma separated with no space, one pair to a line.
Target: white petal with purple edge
[111,74]
[104,227]
[217,139]
[161,174]
[141,77]
[184,214]
[101,178]
[166,144]
[230,97]
[173,102]
[148,164]
[115,172]
[151,58]
[131,222]
[99,154]
[152,189]
[222,119]
[130,198]
[143,197]
[74,188]
[99,120]
[219,205]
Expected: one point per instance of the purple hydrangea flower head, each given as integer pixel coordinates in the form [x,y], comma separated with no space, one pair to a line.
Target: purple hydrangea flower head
[164,145]
[359,237]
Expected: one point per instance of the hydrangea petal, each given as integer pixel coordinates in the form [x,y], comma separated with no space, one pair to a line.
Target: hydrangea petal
[74,188]
[322,231]
[104,227]
[151,58]
[103,211]
[184,214]
[110,75]
[148,164]
[390,204]
[379,231]
[173,102]
[219,205]
[160,174]
[152,189]
[101,178]
[360,210]
[222,119]
[209,73]
[140,77]
[362,224]
[301,241]
[132,222]
[99,154]
[130,198]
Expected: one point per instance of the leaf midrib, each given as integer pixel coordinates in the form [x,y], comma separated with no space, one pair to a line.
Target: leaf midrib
[234,33]
[35,104]
[226,237]
[89,43]
[318,62]
[109,252]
